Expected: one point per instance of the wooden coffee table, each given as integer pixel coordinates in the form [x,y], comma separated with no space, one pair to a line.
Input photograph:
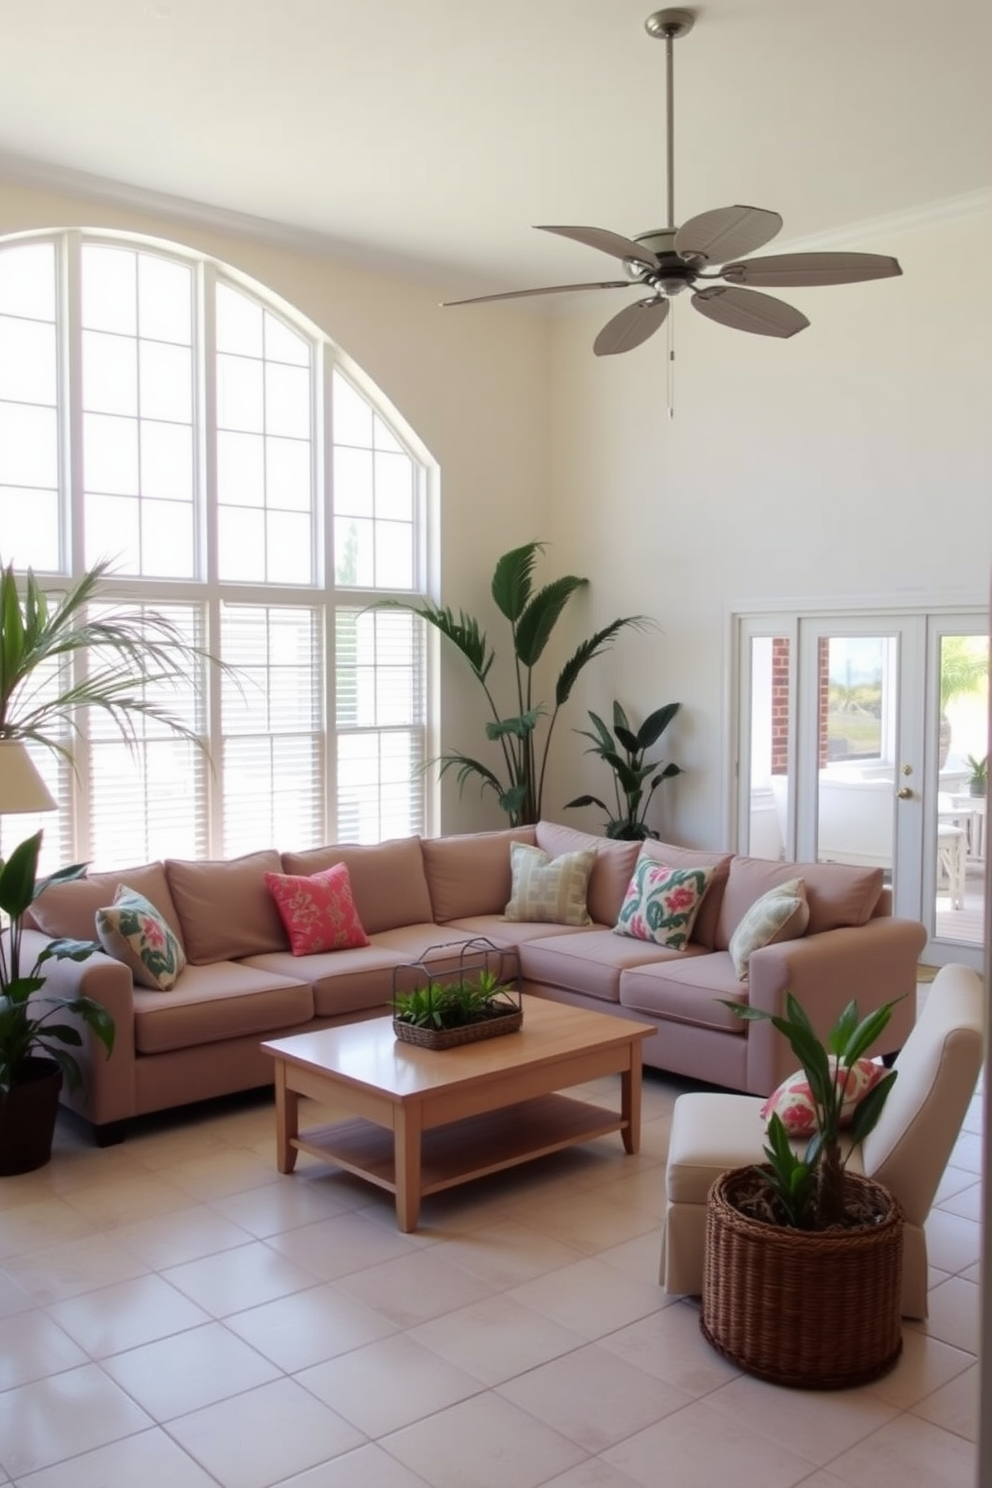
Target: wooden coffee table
[420,1120]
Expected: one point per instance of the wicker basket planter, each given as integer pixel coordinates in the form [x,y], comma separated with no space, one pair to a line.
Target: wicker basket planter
[470,960]
[819,1310]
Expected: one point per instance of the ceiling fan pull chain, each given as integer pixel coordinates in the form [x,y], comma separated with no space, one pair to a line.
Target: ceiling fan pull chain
[670,365]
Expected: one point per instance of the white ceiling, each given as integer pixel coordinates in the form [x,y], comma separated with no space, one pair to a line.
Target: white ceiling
[427,136]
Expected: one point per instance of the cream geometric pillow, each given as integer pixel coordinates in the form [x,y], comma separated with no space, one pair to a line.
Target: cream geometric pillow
[549,889]
[781,914]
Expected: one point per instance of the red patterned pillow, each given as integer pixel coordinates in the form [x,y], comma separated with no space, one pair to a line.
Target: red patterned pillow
[793,1101]
[318,912]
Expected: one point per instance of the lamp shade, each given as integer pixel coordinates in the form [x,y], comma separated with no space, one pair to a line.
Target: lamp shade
[21,787]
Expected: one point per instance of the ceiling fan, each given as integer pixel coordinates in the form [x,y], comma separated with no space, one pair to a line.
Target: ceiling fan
[669,260]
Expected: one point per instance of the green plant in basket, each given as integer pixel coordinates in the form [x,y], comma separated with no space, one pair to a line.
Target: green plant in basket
[808,1189]
[453,1004]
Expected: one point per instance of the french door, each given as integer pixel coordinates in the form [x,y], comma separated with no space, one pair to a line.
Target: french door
[853,738]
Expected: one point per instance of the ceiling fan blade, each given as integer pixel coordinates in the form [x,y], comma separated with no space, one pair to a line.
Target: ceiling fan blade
[745,310]
[521,294]
[782,270]
[632,326]
[613,243]
[727,232]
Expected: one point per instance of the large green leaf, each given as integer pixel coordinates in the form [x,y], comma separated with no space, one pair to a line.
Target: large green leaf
[520,727]
[594,646]
[17,877]
[655,725]
[512,579]
[536,625]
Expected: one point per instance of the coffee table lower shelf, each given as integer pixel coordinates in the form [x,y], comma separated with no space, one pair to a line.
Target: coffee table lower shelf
[462,1150]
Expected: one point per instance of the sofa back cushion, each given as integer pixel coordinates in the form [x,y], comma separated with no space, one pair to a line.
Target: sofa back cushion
[69,909]
[838,894]
[611,872]
[225,910]
[469,874]
[704,926]
[388,881]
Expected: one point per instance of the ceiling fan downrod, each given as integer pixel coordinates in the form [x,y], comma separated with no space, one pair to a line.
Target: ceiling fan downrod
[667,26]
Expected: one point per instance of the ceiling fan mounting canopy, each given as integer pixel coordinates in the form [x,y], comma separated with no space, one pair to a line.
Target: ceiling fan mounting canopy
[711,246]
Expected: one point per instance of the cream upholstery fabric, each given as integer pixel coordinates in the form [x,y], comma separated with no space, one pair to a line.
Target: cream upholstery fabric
[907,1152]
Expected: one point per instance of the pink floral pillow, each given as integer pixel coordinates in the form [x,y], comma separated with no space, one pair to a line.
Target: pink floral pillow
[318,912]
[661,903]
[793,1101]
[132,930]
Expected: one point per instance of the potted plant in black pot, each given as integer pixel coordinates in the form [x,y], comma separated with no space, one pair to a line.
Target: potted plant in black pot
[803,1268]
[61,655]
[35,1039]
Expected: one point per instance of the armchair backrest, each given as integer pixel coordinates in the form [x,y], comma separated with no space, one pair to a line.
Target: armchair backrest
[938,1070]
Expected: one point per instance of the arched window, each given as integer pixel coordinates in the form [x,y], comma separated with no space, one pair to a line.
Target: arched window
[158,412]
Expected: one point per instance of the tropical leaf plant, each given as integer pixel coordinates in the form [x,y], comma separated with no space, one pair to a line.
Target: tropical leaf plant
[635,779]
[130,655]
[517,777]
[30,1023]
[809,1187]
[454,1004]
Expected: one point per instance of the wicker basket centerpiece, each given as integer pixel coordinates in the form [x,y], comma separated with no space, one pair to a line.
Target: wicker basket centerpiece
[802,1273]
[457,995]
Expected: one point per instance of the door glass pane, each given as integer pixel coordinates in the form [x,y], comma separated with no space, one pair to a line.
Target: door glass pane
[961,800]
[856,766]
[768,835]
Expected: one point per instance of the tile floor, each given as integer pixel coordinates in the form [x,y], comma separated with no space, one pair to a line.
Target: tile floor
[174,1314]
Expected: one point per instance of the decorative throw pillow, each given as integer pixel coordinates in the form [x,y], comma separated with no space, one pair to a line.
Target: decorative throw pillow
[549,889]
[318,912]
[132,930]
[793,1101]
[662,903]
[781,914]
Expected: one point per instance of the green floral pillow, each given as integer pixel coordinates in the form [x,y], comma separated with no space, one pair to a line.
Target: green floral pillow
[661,903]
[132,930]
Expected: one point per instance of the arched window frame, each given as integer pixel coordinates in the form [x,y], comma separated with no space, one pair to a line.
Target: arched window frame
[342,759]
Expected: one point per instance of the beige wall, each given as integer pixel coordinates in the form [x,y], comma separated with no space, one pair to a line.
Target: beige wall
[851,462]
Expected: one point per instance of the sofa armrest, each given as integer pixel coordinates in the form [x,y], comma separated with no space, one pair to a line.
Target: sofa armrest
[871,964]
[107,1092]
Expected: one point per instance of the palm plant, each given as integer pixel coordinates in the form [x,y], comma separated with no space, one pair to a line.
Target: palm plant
[809,1189]
[532,617]
[129,652]
[623,749]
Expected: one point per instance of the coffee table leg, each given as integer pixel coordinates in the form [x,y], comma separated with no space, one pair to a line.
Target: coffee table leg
[630,1101]
[406,1156]
[287,1120]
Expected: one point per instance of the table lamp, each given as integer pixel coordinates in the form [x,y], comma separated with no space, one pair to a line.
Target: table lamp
[21,787]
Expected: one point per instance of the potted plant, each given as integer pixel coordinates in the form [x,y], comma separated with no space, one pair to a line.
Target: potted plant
[803,1268]
[623,750]
[440,1006]
[35,1040]
[532,617]
[131,654]
[979,779]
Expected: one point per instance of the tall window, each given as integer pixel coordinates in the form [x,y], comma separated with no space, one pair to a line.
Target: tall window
[156,413]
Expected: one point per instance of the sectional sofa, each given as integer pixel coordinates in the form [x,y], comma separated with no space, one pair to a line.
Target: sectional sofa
[425,897]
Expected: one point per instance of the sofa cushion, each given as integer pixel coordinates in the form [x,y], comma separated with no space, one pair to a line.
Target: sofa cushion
[317,910]
[469,874]
[838,894]
[687,989]
[661,903]
[611,871]
[549,889]
[587,961]
[387,880]
[210,1004]
[225,909]
[132,930]
[69,909]
[781,914]
[704,928]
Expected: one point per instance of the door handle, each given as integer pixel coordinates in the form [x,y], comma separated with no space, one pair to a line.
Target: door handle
[904,793]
